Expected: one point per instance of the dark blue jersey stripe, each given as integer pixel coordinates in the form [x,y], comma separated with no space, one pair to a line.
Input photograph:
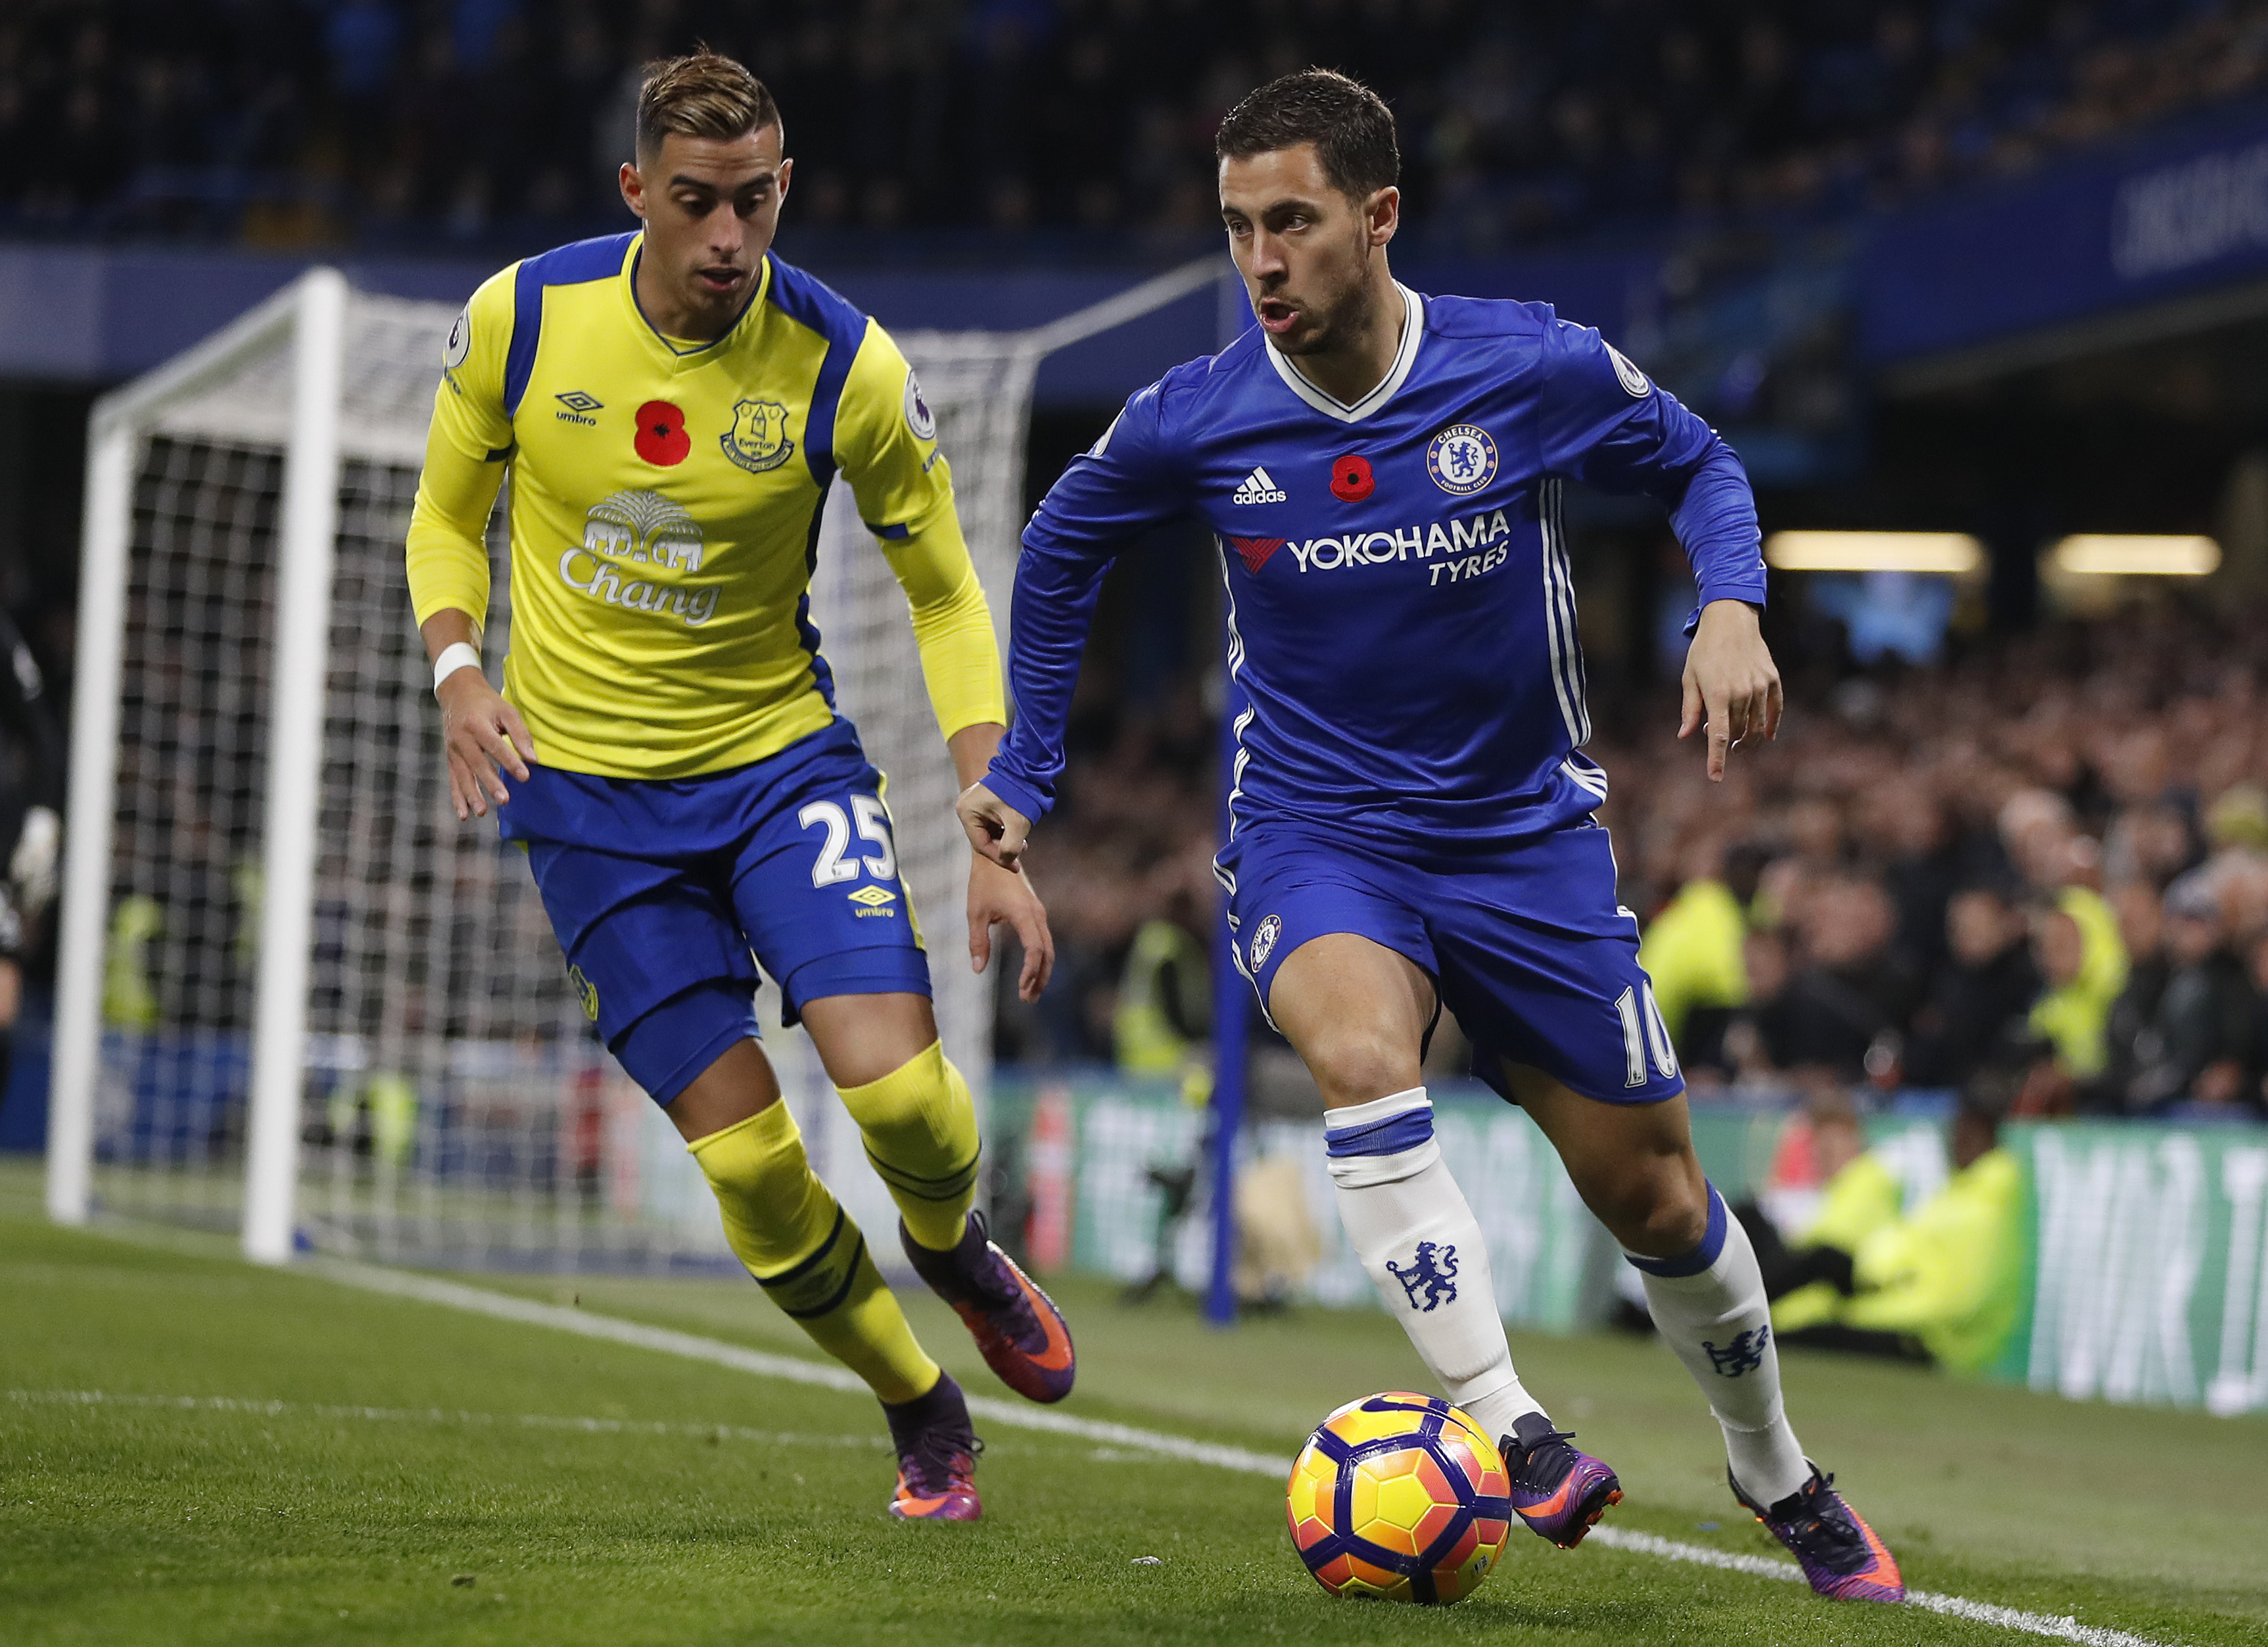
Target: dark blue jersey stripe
[811,303]
[574,265]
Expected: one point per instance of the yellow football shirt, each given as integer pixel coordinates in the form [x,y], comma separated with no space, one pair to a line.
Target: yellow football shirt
[664,512]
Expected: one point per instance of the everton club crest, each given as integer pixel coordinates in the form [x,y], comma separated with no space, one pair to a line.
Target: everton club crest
[757,440]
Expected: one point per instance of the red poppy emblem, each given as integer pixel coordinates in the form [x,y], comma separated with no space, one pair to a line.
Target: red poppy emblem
[1350,478]
[661,437]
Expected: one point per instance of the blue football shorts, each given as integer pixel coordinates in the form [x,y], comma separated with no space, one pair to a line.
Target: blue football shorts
[659,889]
[1525,943]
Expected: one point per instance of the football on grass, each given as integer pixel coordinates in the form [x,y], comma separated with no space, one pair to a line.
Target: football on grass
[1401,1497]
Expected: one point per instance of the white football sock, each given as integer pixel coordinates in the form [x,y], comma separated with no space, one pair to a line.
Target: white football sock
[1709,1306]
[1414,1232]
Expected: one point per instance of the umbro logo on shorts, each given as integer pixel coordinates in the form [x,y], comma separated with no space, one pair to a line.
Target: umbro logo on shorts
[1258,487]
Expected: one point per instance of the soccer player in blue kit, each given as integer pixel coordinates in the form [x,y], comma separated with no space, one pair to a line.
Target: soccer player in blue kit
[1411,820]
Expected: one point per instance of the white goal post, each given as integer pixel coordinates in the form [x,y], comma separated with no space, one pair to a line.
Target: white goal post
[295,997]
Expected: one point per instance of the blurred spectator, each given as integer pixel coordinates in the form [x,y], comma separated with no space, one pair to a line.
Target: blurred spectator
[1692,950]
[1809,1275]
[1952,1276]
[1846,1009]
[1164,1004]
[2130,1032]
[2201,1035]
[1987,988]
[2082,963]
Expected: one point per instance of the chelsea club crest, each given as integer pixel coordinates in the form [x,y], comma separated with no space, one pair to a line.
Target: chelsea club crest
[1462,459]
[757,440]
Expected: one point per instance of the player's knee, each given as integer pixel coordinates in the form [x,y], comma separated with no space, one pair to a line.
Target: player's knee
[1651,1208]
[919,1123]
[926,1094]
[1354,1064]
[776,1212]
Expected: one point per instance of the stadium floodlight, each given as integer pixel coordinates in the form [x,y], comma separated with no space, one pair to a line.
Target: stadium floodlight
[293,995]
[1952,554]
[2134,555]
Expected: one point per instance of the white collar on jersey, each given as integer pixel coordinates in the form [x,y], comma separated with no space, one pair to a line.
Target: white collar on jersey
[1413,325]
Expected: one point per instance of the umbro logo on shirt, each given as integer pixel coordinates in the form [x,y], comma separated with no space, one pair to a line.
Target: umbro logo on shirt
[579,407]
[1258,487]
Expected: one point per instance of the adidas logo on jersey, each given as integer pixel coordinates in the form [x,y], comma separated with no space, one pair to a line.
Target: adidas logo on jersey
[1258,487]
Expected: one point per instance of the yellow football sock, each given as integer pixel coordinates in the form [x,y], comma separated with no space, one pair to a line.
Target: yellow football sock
[806,1254]
[920,1126]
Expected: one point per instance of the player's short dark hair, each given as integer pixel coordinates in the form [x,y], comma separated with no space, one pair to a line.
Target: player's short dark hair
[704,94]
[1349,125]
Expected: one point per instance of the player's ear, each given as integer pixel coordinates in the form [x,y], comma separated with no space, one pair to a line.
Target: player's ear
[1382,214]
[787,171]
[633,187]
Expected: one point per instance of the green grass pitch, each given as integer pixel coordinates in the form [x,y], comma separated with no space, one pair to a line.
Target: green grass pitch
[464,1502]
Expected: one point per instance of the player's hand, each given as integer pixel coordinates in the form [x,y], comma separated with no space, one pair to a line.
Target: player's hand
[1732,686]
[33,865]
[1005,897]
[483,734]
[996,829]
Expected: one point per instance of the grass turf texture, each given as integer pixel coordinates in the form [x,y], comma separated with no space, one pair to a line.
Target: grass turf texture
[123,1523]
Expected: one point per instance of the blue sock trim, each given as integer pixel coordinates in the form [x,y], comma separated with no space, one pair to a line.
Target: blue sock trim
[1700,1258]
[1387,1137]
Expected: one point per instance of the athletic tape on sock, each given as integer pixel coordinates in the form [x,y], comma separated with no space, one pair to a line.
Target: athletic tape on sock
[1384,1142]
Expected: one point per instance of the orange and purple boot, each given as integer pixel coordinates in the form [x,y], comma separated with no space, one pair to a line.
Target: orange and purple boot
[1559,1492]
[937,1456]
[1015,1325]
[1838,1551]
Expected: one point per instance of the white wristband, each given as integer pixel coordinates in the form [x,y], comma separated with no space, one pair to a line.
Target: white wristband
[454,657]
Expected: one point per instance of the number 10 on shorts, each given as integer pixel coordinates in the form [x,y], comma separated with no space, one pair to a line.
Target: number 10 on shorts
[1643,1029]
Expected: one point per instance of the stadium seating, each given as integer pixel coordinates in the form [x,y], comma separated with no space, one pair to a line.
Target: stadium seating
[294,121]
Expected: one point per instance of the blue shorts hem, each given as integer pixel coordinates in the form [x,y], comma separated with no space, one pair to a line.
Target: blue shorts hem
[881,971]
[1486,1071]
[710,1018]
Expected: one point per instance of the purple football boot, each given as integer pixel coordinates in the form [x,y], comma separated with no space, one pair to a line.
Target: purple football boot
[1015,1325]
[937,1456]
[1559,1492]
[1838,1550]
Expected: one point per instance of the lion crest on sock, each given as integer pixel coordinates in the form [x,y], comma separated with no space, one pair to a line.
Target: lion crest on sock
[1744,1354]
[1432,1272]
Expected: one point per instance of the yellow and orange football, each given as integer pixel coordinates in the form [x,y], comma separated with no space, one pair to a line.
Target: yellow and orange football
[1401,1497]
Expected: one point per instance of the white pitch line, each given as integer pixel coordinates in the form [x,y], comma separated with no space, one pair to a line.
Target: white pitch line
[2062,1628]
[505,1307]
[440,1415]
[1007,1414]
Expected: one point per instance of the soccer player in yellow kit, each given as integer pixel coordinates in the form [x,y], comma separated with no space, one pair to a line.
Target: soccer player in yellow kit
[673,405]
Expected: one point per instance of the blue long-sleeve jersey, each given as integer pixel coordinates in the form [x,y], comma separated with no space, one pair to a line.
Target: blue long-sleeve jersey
[1401,613]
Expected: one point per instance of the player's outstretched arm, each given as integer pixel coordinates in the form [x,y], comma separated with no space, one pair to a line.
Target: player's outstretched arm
[480,732]
[1732,686]
[998,891]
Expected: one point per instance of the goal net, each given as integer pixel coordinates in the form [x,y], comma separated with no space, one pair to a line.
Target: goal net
[295,994]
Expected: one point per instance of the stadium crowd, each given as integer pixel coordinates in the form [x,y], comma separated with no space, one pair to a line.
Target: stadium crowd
[2045,867]
[301,121]
[2042,867]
